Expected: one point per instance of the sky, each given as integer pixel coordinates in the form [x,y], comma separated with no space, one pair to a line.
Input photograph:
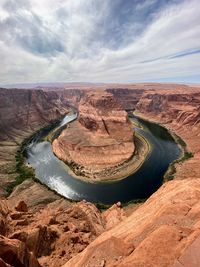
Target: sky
[120,41]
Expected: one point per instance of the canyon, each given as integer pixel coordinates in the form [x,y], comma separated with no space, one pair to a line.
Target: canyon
[99,141]
[164,231]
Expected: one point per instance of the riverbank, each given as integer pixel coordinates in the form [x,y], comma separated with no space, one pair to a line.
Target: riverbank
[21,170]
[141,179]
[185,153]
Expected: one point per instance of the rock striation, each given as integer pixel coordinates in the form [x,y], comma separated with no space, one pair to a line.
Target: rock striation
[101,138]
[181,105]
[158,233]
[127,97]
[178,110]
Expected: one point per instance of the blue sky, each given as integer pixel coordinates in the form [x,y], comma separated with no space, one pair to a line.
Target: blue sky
[99,41]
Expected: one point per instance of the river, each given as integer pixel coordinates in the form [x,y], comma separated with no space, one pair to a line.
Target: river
[146,180]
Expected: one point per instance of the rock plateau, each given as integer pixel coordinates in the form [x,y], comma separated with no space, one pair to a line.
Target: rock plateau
[101,138]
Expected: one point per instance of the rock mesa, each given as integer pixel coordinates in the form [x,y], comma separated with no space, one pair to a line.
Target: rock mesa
[100,139]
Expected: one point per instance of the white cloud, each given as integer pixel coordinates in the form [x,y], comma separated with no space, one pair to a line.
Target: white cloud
[73,32]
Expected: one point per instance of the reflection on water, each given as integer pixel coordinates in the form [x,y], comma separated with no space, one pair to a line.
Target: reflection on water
[52,172]
[67,119]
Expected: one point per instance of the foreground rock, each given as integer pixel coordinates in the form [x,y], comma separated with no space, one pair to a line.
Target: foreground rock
[52,234]
[14,253]
[101,138]
[156,234]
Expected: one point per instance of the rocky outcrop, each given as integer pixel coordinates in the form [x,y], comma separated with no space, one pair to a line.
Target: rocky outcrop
[156,234]
[14,253]
[33,194]
[4,211]
[113,216]
[100,139]
[51,234]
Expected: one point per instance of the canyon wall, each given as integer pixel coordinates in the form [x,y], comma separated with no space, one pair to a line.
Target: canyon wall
[21,108]
[126,96]
[180,105]
[130,94]
[164,231]
[22,112]
[179,110]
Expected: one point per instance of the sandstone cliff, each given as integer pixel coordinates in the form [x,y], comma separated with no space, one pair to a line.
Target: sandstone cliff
[181,105]
[179,110]
[130,94]
[101,138]
[127,97]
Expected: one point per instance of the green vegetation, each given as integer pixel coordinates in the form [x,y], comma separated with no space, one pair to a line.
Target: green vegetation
[169,175]
[103,207]
[187,155]
[21,169]
[53,134]
[134,201]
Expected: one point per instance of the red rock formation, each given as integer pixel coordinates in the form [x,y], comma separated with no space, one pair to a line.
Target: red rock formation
[190,257]
[53,233]
[102,137]
[156,234]
[180,105]
[21,206]
[127,97]
[113,215]
[14,253]
[4,211]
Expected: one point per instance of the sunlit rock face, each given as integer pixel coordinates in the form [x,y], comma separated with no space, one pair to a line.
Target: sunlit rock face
[101,138]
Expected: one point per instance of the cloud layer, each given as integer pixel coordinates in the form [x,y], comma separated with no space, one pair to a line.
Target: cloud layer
[99,40]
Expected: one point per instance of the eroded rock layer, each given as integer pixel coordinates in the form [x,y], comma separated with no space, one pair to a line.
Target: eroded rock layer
[101,138]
